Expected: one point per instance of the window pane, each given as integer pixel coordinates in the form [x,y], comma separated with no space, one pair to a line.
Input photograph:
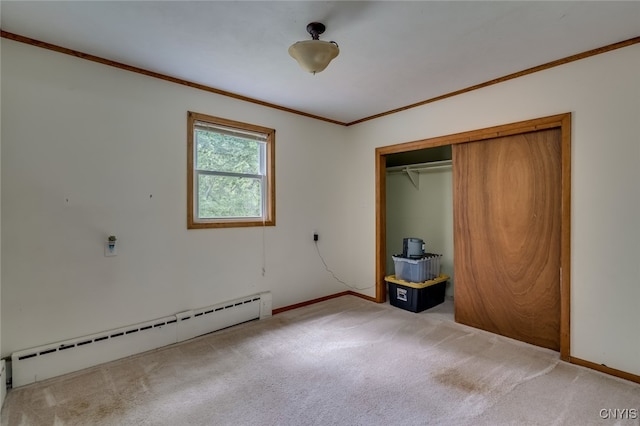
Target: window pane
[225,153]
[229,197]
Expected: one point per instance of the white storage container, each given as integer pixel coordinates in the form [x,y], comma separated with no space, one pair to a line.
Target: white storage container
[417,270]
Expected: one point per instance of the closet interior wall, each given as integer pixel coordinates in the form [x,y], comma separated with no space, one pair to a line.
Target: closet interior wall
[419,203]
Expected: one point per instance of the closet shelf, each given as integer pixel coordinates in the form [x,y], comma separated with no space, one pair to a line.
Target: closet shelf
[413,170]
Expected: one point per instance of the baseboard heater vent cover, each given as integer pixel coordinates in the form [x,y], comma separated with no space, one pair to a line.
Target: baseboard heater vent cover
[54,359]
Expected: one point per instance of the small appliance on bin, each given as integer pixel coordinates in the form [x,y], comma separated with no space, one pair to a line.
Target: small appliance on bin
[412,248]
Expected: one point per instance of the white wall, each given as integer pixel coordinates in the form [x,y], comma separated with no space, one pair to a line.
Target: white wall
[425,212]
[603,93]
[84,146]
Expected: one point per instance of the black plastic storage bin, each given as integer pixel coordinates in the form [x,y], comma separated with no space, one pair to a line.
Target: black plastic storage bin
[416,297]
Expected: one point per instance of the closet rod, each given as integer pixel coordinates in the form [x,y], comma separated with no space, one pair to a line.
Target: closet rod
[418,167]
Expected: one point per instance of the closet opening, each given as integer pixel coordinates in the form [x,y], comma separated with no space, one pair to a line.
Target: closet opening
[419,205]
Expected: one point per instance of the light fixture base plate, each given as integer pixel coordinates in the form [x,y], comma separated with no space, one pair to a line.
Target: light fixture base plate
[315,29]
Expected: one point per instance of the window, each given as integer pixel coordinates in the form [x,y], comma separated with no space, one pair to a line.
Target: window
[231,173]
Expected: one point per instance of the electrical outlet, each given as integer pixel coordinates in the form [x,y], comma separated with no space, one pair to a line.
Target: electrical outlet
[315,236]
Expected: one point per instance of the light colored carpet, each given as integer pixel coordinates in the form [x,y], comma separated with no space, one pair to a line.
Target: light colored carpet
[344,361]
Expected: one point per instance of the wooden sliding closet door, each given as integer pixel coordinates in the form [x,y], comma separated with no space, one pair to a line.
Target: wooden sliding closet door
[507,223]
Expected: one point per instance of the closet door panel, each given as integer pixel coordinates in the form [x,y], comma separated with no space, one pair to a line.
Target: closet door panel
[507,223]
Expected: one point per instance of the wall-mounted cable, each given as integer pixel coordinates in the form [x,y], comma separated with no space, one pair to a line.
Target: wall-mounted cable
[326,267]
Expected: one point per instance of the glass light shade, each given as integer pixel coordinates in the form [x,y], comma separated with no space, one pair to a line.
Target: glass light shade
[313,55]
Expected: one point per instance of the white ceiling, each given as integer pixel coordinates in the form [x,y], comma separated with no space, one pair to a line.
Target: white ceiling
[392,53]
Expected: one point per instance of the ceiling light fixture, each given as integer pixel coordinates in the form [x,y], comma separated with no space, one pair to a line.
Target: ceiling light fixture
[314,55]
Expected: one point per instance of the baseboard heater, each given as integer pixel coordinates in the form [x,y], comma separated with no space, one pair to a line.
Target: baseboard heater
[35,364]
